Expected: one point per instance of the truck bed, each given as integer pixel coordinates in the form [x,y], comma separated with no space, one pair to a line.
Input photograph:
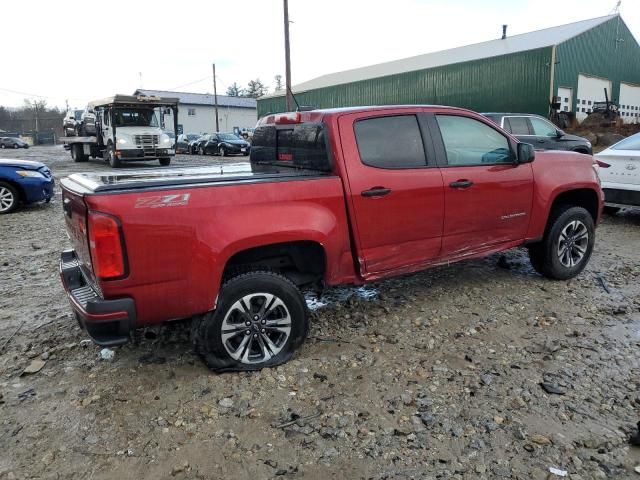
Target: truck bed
[239,172]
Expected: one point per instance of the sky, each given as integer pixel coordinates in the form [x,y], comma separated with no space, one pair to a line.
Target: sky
[79,51]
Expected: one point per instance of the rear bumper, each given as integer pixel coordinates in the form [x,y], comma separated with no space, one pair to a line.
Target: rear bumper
[614,195]
[108,322]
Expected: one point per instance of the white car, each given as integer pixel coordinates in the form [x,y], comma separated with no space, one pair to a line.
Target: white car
[619,170]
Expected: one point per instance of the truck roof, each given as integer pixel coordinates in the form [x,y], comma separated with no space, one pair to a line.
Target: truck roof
[134,100]
[317,115]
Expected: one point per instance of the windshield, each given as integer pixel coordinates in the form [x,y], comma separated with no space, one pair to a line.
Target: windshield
[228,136]
[629,143]
[134,118]
[77,114]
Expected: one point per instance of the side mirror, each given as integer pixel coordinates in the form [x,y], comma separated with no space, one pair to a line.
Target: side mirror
[559,133]
[526,153]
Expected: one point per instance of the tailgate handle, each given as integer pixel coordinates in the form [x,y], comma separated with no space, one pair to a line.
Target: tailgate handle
[66,207]
[376,192]
[461,184]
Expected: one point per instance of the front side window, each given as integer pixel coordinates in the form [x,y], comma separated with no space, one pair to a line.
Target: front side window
[390,142]
[543,128]
[470,142]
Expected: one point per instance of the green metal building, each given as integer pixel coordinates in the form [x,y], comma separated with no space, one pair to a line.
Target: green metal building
[522,73]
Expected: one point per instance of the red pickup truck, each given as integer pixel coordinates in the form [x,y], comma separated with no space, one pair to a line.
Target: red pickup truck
[341,196]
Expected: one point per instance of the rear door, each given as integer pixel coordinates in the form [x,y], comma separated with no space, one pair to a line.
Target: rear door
[395,189]
[487,196]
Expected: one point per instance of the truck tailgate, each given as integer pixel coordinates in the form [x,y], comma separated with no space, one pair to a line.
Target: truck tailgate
[75,216]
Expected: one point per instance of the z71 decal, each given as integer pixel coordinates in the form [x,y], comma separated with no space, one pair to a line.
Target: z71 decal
[163,201]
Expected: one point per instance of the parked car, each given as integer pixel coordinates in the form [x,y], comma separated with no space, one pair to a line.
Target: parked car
[71,122]
[540,132]
[23,181]
[183,141]
[222,144]
[12,142]
[619,168]
[330,197]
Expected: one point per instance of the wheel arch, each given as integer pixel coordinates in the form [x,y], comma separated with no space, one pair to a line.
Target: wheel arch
[579,197]
[22,195]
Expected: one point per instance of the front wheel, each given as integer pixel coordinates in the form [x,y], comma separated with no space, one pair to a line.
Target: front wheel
[567,245]
[260,320]
[8,198]
[165,162]
[16,146]
[201,151]
[2,146]
[112,158]
[223,152]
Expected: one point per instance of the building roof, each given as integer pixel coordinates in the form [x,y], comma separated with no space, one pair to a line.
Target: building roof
[492,48]
[186,98]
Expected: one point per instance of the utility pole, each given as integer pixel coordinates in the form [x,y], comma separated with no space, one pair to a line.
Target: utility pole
[66,102]
[215,97]
[287,57]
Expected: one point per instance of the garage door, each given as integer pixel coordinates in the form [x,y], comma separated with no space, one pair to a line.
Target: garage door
[590,89]
[630,103]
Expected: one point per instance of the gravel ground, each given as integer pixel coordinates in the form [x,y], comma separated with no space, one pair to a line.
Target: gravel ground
[434,375]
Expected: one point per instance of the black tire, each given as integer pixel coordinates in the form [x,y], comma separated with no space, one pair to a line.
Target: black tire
[112,158]
[611,210]
[222,152]
[165,162]
[9,198]
[201,151]
[545,256]
[77,153]
[207,330]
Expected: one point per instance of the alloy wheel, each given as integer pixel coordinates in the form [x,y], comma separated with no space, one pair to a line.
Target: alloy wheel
[573,243]
[256,328]
[7,199]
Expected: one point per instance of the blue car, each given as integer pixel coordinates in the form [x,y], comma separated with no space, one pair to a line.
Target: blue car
[24,181]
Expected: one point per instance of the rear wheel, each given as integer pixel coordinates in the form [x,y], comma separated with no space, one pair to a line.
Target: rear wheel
[261,319]
[222,152]
[2,145]
[201,150]
[567,245]
[16,146]
[9,198]
[165,161]
[77,153]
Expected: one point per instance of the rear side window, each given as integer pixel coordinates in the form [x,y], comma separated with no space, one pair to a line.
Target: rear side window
[517,125]
[302,146]
[629,143]
[470,142]
[390,142]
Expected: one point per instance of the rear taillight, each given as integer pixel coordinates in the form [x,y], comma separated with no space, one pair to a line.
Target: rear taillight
[105,243]
[602,164]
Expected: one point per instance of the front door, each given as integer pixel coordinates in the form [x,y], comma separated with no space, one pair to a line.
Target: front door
[488,196]
[395,190]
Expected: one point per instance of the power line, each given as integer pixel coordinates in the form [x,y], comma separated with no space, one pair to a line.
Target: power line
[23,93]
[208,77]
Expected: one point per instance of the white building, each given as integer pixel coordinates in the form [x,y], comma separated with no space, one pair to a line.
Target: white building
[196,112]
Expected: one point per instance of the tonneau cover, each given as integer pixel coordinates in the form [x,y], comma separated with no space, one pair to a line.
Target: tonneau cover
[166,177]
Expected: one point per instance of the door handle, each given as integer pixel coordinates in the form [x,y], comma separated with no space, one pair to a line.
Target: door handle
[461,184]
[376,192]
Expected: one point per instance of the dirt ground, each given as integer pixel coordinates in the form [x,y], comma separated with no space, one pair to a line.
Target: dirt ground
[430,376]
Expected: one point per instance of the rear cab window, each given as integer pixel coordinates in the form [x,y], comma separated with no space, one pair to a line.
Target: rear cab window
[390,142]
[297,146]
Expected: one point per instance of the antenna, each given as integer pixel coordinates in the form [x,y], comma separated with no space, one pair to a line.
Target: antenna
[616,9]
